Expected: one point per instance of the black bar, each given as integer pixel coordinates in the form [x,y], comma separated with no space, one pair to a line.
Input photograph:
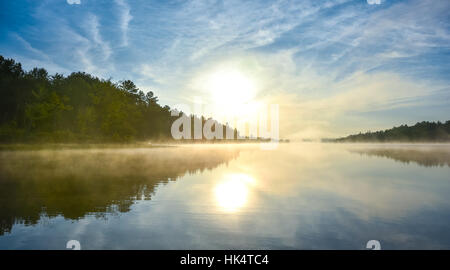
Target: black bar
[263,259]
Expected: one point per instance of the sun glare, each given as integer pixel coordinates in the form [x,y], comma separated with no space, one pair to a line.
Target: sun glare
[229,87]
[231,194]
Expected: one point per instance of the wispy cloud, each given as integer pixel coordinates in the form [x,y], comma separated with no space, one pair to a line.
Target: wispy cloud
[93,27]
[35,52]
[35,57]
[374,2]
[125,18]
[74,2]
[81,49]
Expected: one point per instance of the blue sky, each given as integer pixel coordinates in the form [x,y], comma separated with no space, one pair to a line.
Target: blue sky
[334,67]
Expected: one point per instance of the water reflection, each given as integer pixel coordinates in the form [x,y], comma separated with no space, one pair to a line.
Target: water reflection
[428,156]
[75,183]
[300,196]
[232,192]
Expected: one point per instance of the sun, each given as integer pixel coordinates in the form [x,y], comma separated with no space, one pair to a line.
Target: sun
[229,87]
[229,94]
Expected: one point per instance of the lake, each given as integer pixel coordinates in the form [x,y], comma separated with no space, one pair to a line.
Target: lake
[298,196]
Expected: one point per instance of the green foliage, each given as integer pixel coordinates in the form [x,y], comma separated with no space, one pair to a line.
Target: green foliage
[38,107]
[420,132]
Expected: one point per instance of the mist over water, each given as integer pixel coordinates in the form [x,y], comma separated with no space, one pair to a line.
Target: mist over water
[299,196]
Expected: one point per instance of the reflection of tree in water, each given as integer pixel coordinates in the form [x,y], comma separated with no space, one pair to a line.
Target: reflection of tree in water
[74,183]
[428,157]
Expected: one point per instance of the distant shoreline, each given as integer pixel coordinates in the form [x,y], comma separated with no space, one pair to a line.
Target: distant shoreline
[421,132]
[388,142]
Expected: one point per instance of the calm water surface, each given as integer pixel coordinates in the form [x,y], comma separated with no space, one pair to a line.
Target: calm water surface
[300,196]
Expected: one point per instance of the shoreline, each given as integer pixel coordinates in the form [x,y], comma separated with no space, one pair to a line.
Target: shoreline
[145,144]
[162,144]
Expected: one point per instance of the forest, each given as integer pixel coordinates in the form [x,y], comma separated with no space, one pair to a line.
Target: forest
[38,107]
[420,132]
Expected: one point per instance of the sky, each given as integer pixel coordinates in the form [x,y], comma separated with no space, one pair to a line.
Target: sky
[333,67]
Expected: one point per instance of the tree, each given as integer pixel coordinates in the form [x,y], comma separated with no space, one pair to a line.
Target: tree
[80,107]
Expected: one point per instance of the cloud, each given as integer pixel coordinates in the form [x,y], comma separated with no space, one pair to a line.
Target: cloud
[36,58]
[212,34]
[93,26]
[125,18]
[74,2]
[374,2]
[253,24]
[35,52]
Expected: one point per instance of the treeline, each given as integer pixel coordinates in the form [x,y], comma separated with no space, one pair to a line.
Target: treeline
[420,132]
[38,107]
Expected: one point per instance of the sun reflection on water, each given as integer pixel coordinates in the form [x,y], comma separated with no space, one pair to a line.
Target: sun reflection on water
[232,192]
